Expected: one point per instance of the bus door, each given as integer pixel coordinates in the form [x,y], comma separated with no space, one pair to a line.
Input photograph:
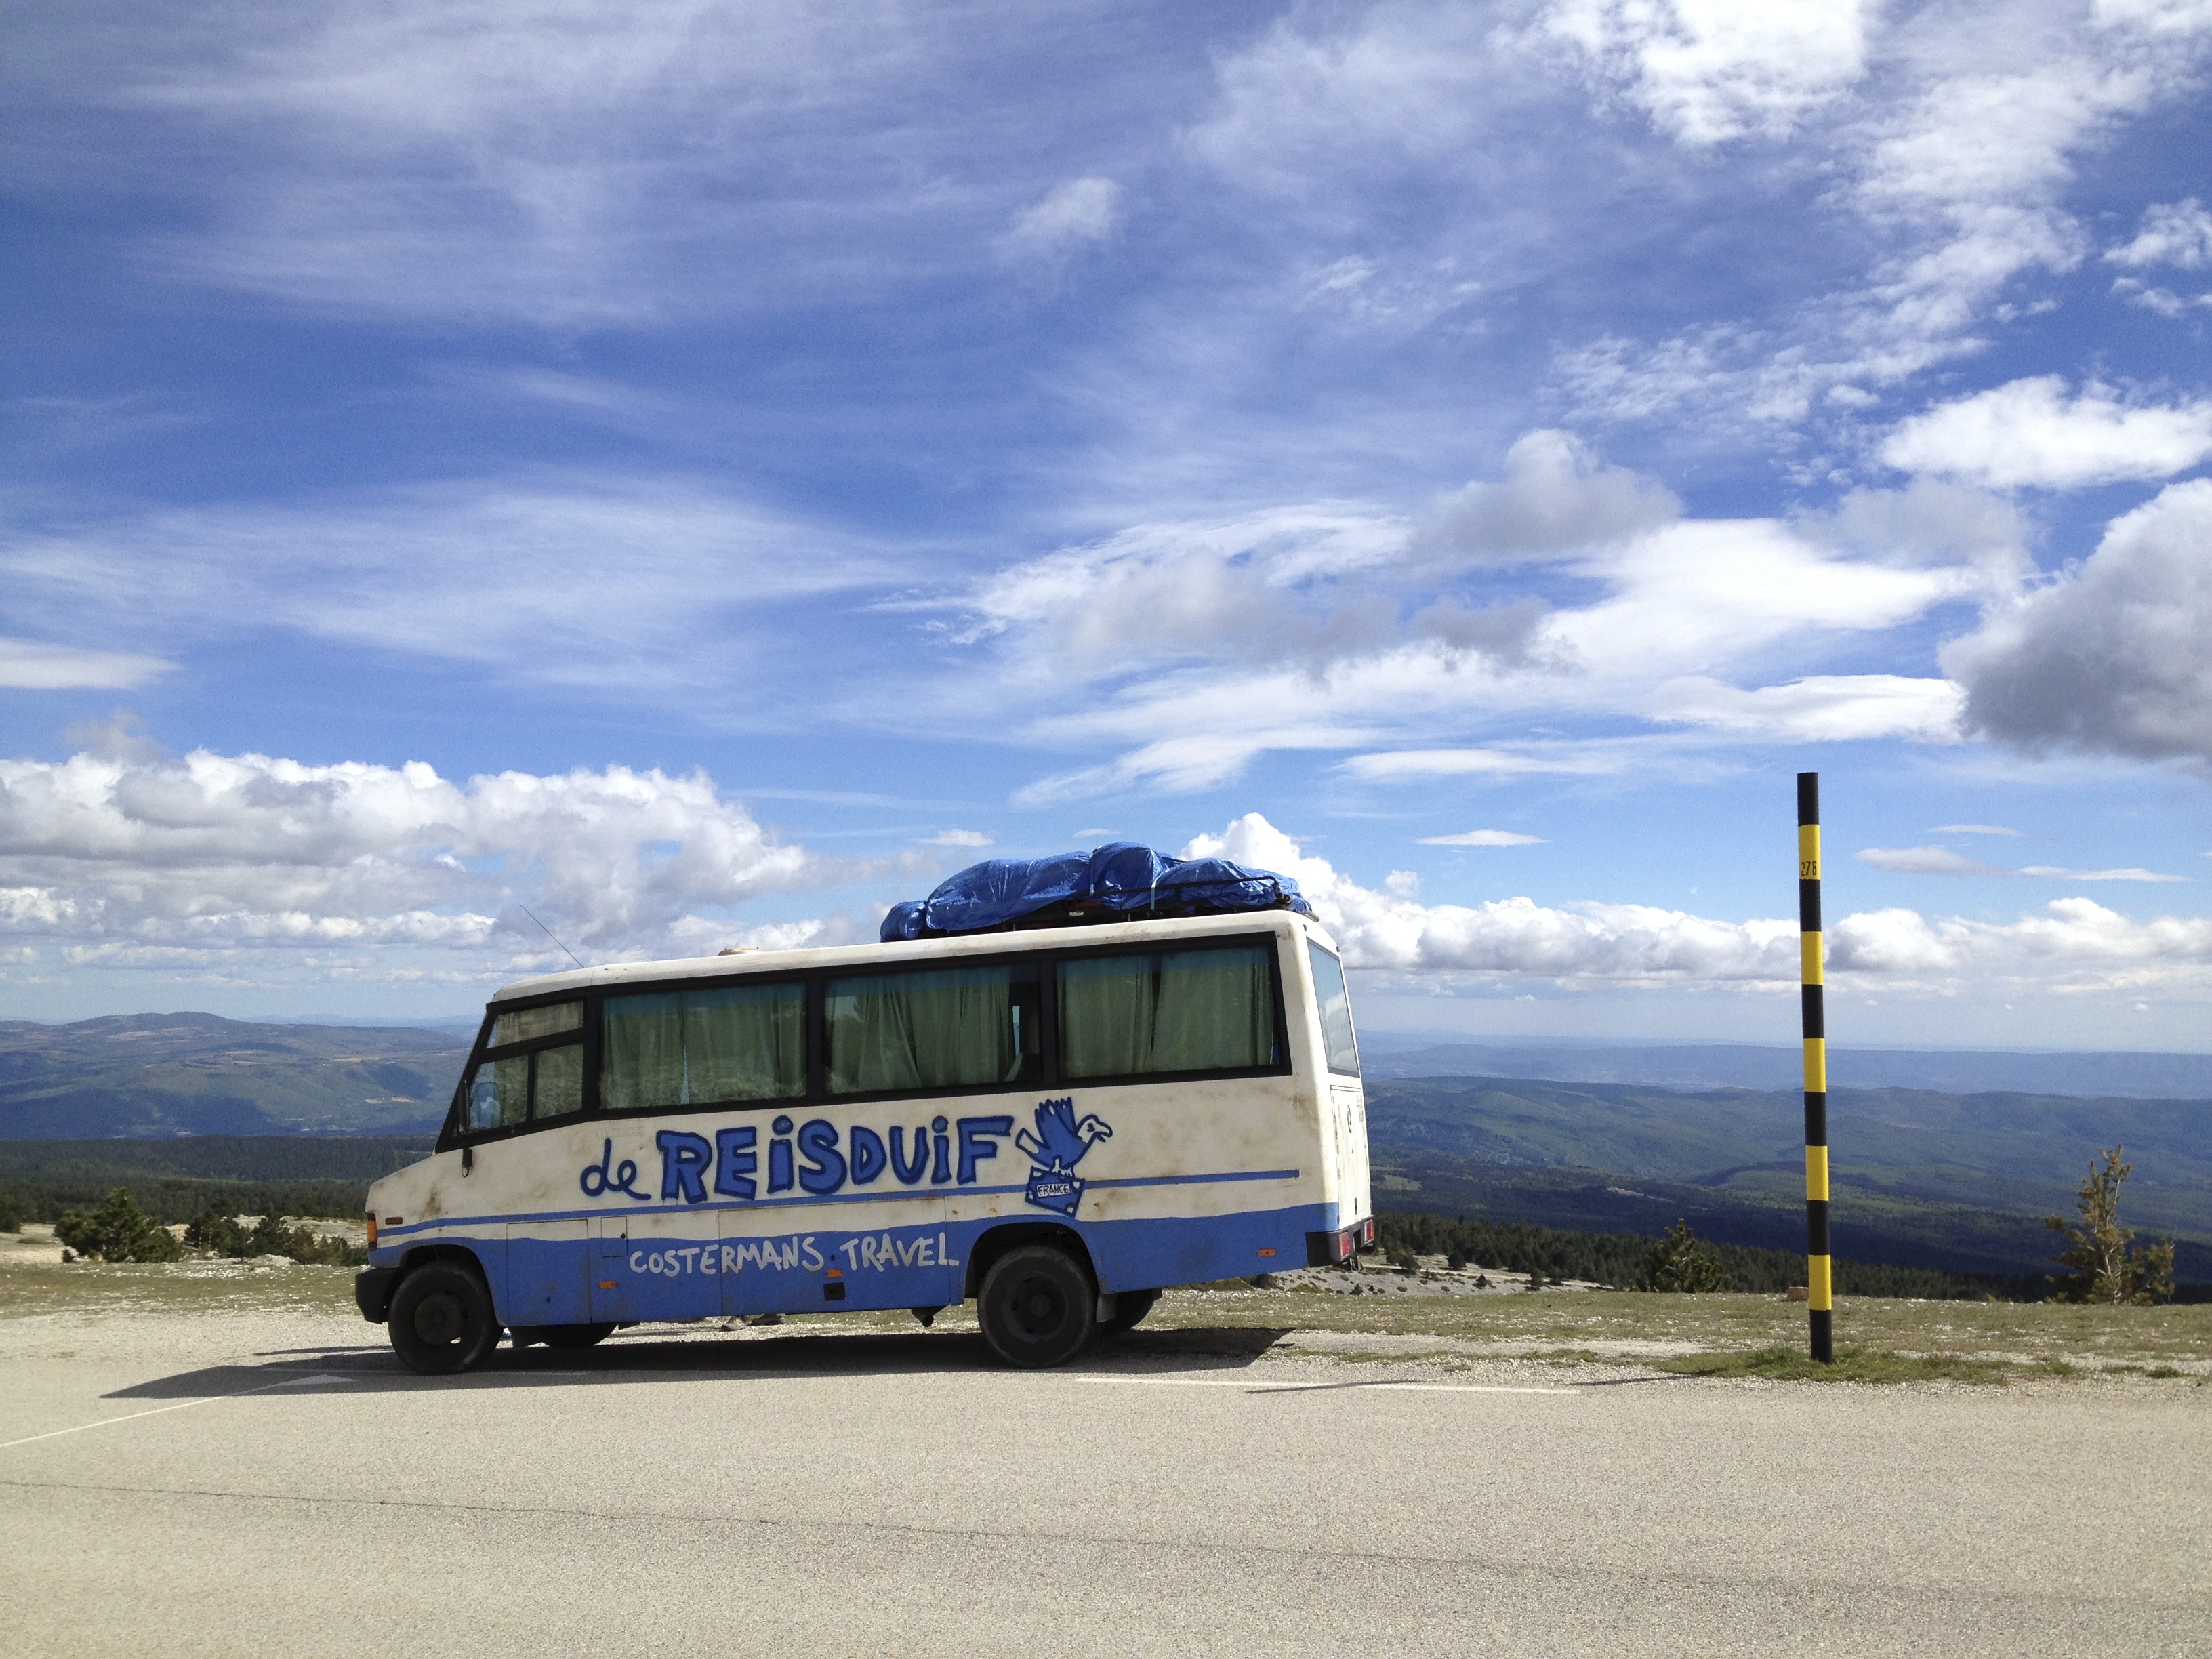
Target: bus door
[1348,1118]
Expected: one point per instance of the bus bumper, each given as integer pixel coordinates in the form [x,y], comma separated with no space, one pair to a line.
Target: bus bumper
[1332,1249]
[372,1291]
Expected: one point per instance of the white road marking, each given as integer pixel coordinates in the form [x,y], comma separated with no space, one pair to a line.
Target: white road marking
[1310,1388]
[127,1417]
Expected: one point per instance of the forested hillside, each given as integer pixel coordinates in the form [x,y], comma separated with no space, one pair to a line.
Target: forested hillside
[199,1074]
[1958,1183]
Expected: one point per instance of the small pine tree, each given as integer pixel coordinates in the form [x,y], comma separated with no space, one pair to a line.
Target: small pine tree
[118,1231]
[2105,1269]
[1679,1262]
[211,1230]
[271,1237]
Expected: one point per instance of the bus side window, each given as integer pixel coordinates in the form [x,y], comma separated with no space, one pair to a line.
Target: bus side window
[723,1043]
[1335,1011]
[948,1027]
[1159,1012]
[520,1025]
[499,1094]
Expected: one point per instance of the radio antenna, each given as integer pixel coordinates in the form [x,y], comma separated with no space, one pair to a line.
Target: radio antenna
[550,934]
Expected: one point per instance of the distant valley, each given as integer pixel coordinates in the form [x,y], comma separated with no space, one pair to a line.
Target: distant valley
[1748,1065]
[199,1074]
[1920,1178]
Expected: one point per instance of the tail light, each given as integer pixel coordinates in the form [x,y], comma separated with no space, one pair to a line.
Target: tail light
[372,1232]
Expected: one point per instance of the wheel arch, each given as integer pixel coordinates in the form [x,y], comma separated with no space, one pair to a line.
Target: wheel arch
[994,1244]
[422,1255]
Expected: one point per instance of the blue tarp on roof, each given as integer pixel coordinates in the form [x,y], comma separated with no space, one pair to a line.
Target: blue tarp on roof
[1121,876]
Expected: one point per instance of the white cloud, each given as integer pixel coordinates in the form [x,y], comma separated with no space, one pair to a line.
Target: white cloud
[2178,233]
[957,838]
[30,664]
[647,585]
[1586,944]
[2163,300]
[2097,875]
[1556,501]
[2073,945]
[1926,861]
[1072,215]
[1331,625]
[1942,861]
[1956,154]
[2110,657]
[2030,432]
[121,860]
[1821,708]
[568,166]
[1400,764]
[2156,16]
[1710,70]
[1483,838]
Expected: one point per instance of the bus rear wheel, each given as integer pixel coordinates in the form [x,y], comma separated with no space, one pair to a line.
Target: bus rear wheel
[574,1336]
[442,1319]
[1036,1307]
[1130,1308]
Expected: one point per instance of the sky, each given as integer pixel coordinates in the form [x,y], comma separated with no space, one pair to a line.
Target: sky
[669,474]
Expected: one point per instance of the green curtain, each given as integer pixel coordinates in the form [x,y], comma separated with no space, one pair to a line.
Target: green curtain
[560,1089]
[1106,1007]
[1171,1011]
[690,1048]
[520,1025]
[945,1028]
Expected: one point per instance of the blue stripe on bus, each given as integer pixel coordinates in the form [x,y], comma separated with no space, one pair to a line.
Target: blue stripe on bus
[575,1281]
[903,1194]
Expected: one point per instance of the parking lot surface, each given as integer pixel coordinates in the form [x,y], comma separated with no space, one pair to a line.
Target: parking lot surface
[274,1483]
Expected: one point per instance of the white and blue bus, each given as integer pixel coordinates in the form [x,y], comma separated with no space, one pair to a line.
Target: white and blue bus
[1056,1122]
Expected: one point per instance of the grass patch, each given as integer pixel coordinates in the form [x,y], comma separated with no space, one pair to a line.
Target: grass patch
[29,1289]
[1851,1365]
[2025,1334]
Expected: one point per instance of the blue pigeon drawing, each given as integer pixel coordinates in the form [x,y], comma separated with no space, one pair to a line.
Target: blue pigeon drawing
[1061,1140]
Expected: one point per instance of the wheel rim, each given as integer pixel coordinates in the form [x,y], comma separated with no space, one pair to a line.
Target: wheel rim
[438,1321]
[1038,1307]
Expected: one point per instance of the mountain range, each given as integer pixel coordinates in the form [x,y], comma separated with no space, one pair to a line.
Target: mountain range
[179,1074]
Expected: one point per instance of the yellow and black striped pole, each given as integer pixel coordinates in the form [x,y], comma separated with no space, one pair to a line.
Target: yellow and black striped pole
[1818,1290]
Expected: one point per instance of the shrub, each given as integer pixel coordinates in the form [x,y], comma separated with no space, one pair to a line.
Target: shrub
[211,1230]
[270,1236]
[2104,1269]
[1679,1262]
[118,1231]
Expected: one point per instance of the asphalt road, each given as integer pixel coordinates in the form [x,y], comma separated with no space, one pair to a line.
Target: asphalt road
[275,1485]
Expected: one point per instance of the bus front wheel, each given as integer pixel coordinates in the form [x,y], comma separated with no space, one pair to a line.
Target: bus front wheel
[442,1319]
[1036,1307]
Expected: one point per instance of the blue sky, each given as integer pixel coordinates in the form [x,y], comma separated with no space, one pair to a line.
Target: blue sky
[703,472]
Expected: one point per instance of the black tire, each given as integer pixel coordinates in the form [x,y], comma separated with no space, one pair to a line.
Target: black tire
[1038,1307]
[574,1336]
[1130,1308]
[442,1319]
